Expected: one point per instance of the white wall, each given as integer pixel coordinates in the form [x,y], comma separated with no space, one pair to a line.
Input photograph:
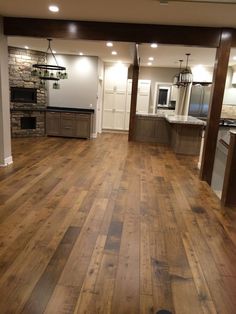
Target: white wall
[80,89]
[156,74]
[5,130]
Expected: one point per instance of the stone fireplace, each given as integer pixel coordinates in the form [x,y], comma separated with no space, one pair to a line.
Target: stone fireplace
[28,99]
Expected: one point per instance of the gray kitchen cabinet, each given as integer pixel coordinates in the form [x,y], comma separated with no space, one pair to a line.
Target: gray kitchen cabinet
[152,129]
[53,123]
[162,131]
[83,125]
[68,124]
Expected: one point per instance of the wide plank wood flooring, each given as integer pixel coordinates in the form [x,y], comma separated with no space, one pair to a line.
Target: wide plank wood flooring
[108,226]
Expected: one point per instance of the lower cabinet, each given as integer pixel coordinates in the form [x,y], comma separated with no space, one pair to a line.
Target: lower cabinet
[69,124]
[83,125]
[53,122]
[152,129]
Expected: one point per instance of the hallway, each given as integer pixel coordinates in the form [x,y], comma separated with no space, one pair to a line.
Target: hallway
[108,226]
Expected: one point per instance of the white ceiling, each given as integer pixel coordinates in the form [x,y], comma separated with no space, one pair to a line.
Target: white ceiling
[140,11]
[164,55]
[133,11]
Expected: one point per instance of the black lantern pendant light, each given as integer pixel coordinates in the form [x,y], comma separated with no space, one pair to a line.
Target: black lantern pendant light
[46,71]
[186,76]
[177,76]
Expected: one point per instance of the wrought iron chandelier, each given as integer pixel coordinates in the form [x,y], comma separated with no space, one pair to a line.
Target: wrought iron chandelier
[184,77]
[49,72]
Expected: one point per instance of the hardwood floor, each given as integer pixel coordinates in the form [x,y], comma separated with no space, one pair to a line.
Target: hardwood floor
[108,226]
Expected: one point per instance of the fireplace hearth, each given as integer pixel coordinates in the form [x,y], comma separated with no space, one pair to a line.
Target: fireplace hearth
[28,123]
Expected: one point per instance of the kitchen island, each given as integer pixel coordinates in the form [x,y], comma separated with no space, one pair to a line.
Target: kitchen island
[182,133]
[223,177]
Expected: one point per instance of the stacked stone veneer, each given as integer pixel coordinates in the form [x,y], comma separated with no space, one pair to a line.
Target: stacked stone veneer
[20,67]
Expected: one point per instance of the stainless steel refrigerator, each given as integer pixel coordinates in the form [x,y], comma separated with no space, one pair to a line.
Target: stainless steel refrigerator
[199,100]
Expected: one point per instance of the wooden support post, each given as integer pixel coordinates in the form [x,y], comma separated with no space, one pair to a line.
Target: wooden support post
[219,78]
[134,94]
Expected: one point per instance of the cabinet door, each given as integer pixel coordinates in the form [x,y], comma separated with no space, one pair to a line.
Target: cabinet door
[114,101]
[143,96]
[83,125]
[162,131]
[68,124]
[53,124]
[127,104]
[145,129]
[108,109]
[119,112]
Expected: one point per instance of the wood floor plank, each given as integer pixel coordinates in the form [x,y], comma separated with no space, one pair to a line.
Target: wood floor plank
[85,303]
[105,283]
[43,290]
[109,226]
[78,262]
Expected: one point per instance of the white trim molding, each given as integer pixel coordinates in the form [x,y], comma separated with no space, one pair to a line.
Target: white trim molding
[7,161]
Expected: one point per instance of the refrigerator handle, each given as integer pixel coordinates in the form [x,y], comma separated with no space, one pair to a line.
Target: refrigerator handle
[202,99]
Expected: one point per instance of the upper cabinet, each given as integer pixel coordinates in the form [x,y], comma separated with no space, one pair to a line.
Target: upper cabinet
[143,96]
[114,100]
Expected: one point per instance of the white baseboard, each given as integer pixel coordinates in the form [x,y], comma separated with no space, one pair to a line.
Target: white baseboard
[7,161]
[94,135]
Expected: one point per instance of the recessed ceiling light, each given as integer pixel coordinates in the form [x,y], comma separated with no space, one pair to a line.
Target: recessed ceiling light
[53,8]
[151,58]
[81,54]
[234,58]
[154,45]
[149,63]
[114,53]
[109,44]
[26,47]
[54,51]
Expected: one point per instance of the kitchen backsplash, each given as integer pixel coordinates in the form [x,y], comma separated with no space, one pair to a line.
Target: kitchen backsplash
[228,111]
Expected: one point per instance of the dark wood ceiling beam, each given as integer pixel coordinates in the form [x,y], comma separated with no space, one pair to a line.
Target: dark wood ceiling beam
[128,32]
[213,120]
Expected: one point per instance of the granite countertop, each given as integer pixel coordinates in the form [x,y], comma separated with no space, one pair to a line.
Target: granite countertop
[225,139]
[184,120]
[67,109]
[173,118]
[157,115]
